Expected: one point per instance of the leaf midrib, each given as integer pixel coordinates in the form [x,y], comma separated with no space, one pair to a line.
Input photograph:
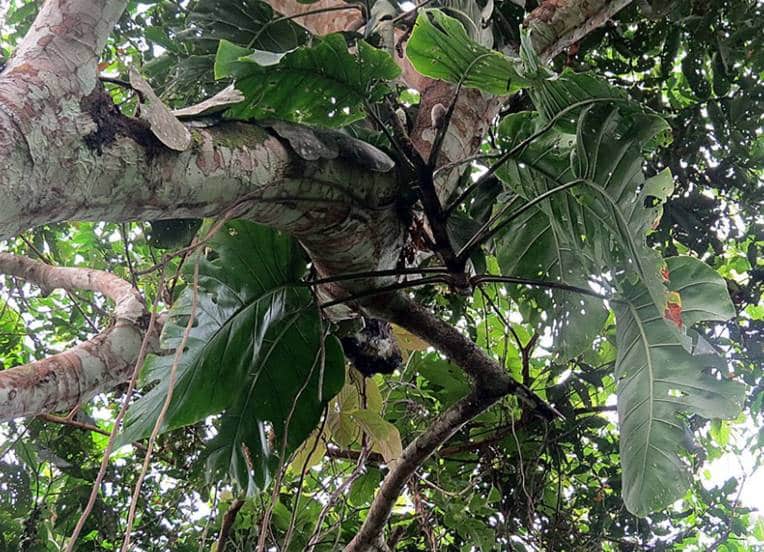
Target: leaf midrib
[649,366]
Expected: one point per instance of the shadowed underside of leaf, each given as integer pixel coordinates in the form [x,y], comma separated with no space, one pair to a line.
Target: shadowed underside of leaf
[183,74]
[257,352]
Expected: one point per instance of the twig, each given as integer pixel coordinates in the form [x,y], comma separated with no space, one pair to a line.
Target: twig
[398,138]
[165,408]
[228,214]
[73,298]
[437,144]
[377,274]
[128,257]
[522,468]
[480,278]
[228,520]
[72,423]
[203,538]
[338,492]
[470,159]
[595,409]
[725,535]
[117,423]
[445,279]
[491,383]
[421,514]
[411,13]
[118,82]
[436,218]
[301,481]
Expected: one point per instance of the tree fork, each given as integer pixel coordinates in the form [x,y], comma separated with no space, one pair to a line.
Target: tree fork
[490,384]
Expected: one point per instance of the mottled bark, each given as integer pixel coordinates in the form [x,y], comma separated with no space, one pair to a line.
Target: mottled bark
[473,113]
[67,154]
[557,24]
[62,381]
[318,21]
[491,382]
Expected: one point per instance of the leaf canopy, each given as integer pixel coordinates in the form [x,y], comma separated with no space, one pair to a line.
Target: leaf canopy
[582,155]
[660,382]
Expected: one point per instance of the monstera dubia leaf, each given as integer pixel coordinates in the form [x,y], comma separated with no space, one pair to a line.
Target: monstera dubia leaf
[608,160]
[597,211]
[545,241]
[660,383]
[440,48]
[257,352]
[586,155]
[323,84]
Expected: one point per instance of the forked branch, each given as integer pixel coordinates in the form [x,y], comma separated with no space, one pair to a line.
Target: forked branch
[61,381]
[490,384]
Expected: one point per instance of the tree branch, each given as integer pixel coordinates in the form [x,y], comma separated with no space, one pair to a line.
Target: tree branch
[554,25]
[418,451]
[63,45]
[228,520]
[491,383]
[64,380]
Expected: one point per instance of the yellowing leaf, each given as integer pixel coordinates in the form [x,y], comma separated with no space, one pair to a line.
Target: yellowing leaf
[408,342]
[385,438]
[339,425]
[374,400]
[310,453]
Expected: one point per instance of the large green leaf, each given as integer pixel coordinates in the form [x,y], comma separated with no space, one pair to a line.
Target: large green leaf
[593,226]
[440,48]
[271,395]
[257,347]
[608,158]
[323,84]
[545,242]
[659,384]
[250,23]
[594,142]
[539,248]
